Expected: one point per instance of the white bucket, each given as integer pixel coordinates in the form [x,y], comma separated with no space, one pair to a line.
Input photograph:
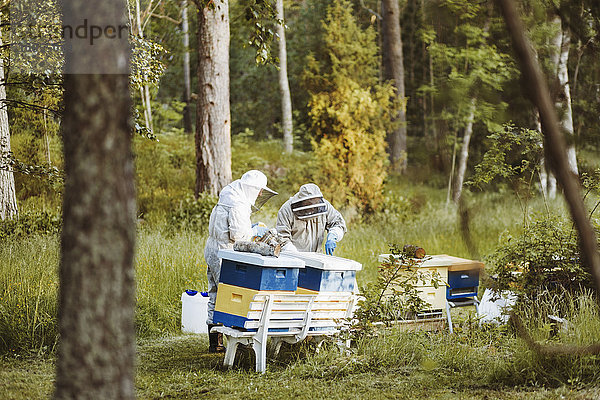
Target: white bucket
[194,312]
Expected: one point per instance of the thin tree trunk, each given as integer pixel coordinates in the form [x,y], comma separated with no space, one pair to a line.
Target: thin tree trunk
[547,178]
[449,190]
[562,42]
[213,124]
[187,80]
[8,198]
[96,353]
[393,62]
[284,86]
[464,154]
[144,90]
[46,138]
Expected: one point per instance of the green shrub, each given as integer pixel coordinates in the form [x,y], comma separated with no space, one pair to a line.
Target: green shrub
[30,223]
[394,295]
[545,256]
[192,214]
[350,113]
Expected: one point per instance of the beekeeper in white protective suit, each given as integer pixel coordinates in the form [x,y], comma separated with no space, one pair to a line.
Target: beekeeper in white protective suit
[229,223]
[305,218]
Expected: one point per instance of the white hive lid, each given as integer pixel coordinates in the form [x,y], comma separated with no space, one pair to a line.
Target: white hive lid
[324,262]
[443,260]
[260,260]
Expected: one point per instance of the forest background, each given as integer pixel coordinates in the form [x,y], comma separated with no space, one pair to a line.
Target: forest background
[451,159]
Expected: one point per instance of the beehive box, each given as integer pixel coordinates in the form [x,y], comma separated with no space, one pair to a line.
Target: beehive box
[324,273]
[244,275]
[460,278]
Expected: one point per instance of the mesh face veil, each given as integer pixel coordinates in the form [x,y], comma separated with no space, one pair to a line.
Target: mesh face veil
[309,208]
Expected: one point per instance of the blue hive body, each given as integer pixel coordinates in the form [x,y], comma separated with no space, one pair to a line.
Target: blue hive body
[323,273]
[243,275]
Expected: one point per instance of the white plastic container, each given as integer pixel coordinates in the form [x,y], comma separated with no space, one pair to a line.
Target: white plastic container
[194,312]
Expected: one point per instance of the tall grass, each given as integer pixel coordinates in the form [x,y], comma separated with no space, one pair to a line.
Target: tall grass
[166,265]
[28,293]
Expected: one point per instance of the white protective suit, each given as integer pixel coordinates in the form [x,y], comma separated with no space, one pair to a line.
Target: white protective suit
[230,222]
[307,232]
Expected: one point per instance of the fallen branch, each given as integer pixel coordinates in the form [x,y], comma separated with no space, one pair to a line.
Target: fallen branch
[551,350]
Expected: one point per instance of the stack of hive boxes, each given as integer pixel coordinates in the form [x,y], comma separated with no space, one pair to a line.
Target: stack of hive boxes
[459,278]
[244,275]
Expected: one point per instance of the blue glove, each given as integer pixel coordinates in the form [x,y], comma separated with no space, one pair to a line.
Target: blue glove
[258,230]
[330,246]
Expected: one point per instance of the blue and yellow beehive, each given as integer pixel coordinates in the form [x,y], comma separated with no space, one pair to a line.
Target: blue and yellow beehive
[244,275]
[323,273]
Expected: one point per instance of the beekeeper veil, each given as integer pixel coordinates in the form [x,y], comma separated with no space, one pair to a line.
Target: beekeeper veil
[308,202]
[254,186]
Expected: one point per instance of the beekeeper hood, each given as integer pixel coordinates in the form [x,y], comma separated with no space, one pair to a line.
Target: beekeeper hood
[308,202]
[250,189]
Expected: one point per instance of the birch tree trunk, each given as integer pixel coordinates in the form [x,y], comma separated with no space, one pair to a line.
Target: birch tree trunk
[8,198]
[187,80]
[284,86]
[464,154]
[562,41]
[96,352]
[144,90]
[547,178]
[393,65]
[213,124]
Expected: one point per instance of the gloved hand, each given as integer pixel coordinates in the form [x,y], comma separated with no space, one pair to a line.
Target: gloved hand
[330,245]
[258,230]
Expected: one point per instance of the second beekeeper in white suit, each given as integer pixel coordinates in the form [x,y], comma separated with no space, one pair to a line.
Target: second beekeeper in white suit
[229,223]
[305,218]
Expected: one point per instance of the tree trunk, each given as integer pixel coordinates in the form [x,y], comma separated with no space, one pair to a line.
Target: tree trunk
[562,42]
[187,80]
[547,178]
[464,154]
[96,353]
[393,65]
[284,86]
[144,90]
[213,125]
[8,198]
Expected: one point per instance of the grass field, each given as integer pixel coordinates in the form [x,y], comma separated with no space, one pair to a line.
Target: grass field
[473,363]
[178,367]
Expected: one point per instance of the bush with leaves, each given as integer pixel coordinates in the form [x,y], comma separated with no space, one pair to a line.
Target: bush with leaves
[394,295]
[193,214]
[514,156]
[544,257]
[31,223]
[350,112]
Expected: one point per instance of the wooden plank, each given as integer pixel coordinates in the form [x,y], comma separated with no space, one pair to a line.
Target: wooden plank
[292,315]
[256,306]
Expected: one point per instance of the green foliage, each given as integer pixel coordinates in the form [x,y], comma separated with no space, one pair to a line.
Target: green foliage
[350,113]
[545,256]
[513,156]
[30,223]
[164,174]
[394,296]
[261,15]
[193,214]
[146,62]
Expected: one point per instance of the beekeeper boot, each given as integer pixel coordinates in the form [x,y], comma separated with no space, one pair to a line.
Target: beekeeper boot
[215,340]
